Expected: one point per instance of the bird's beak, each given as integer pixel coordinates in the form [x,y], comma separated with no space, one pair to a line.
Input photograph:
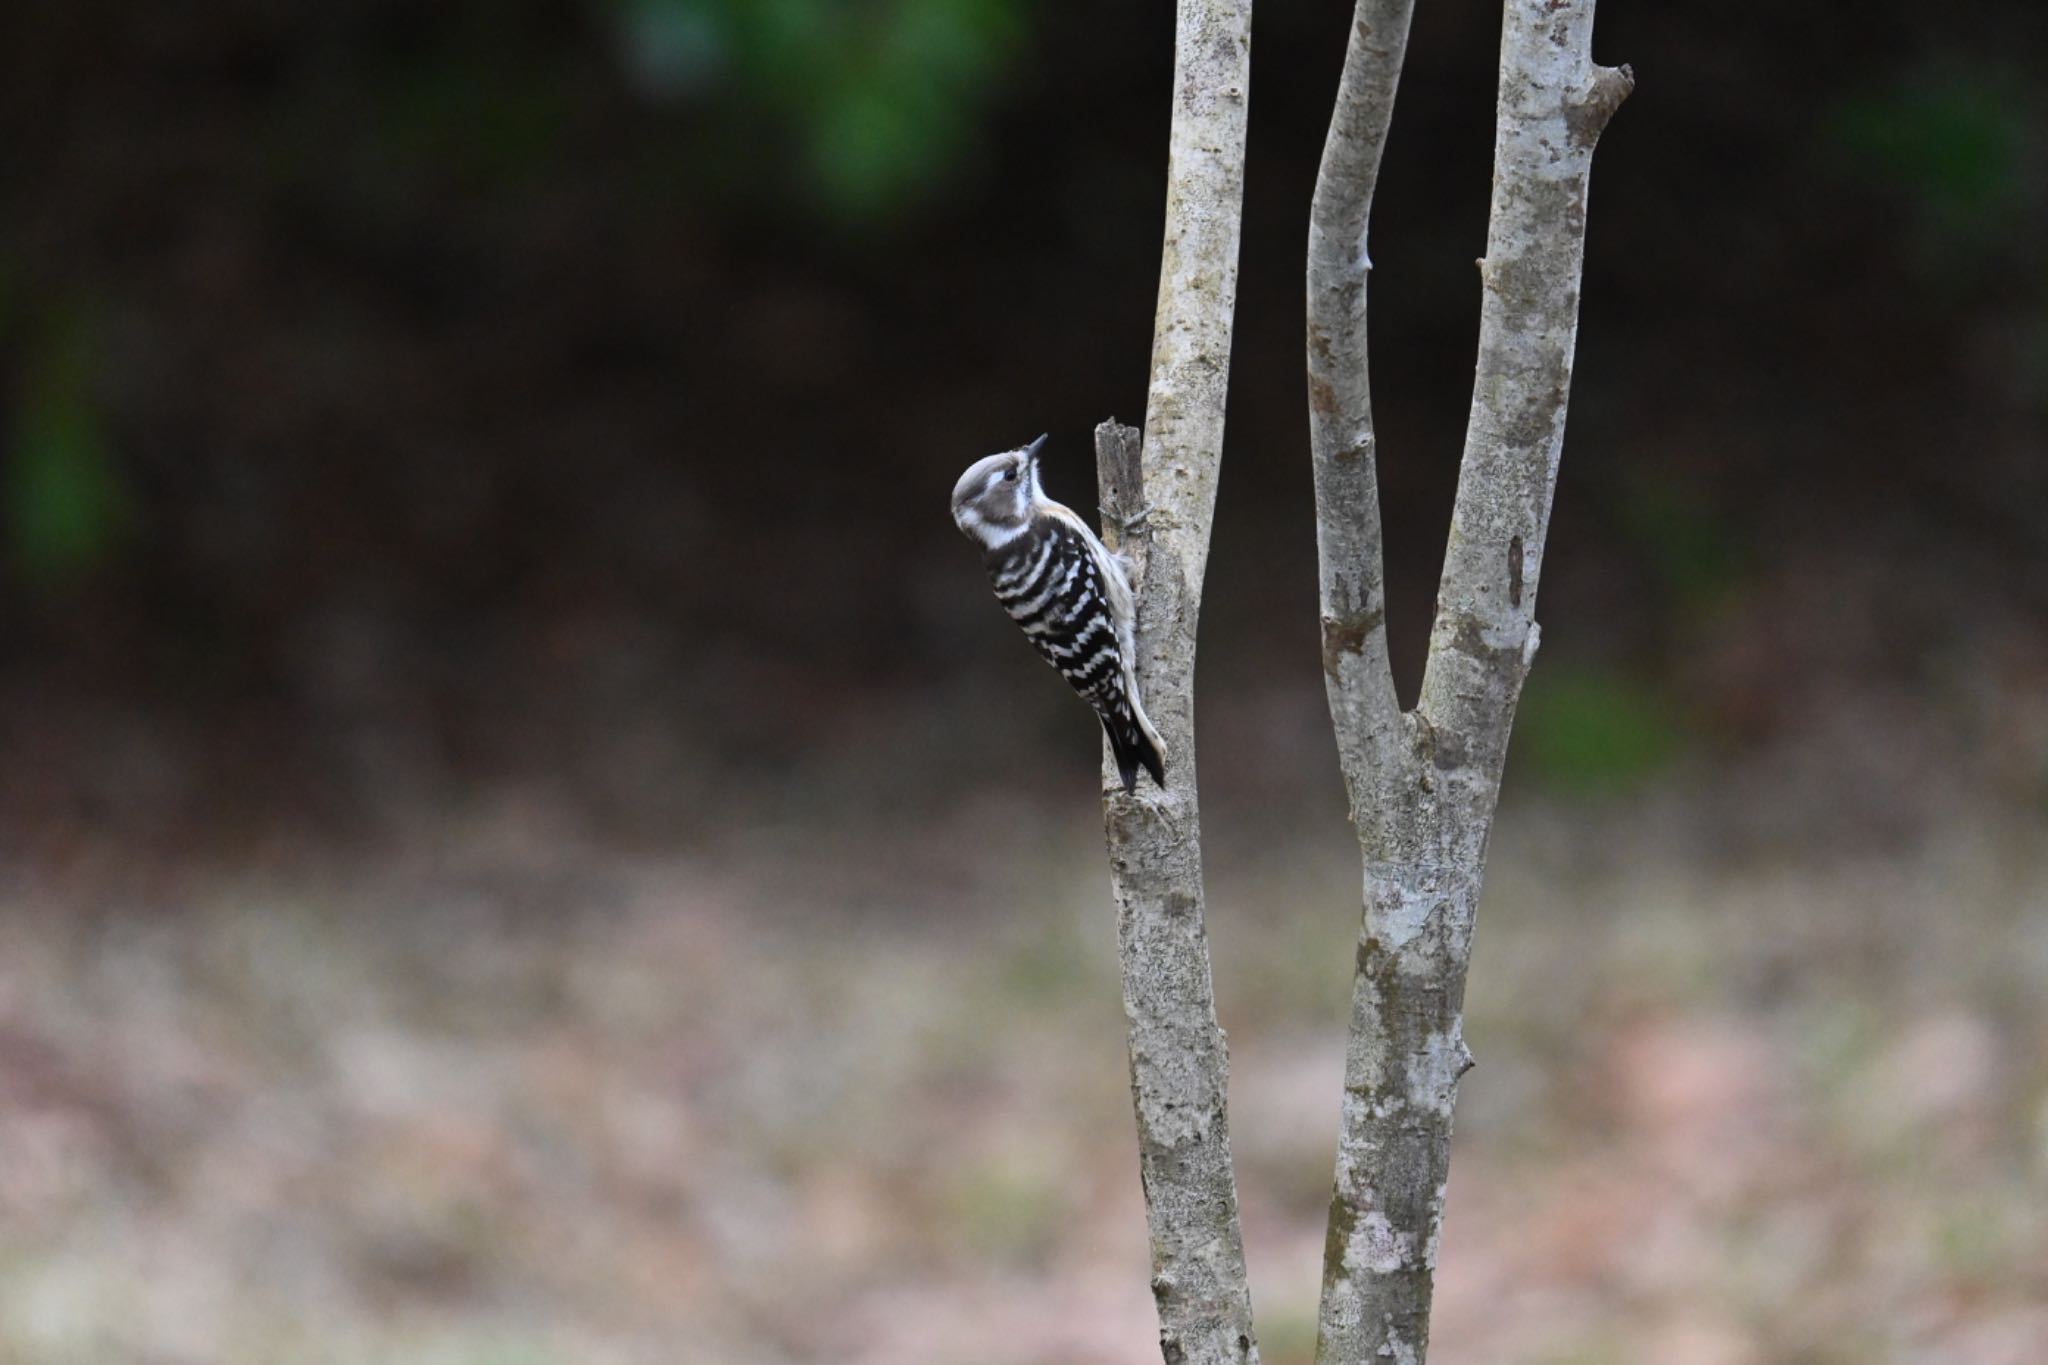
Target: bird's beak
[1031,451]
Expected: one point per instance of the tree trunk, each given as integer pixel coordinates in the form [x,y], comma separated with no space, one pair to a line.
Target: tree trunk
[1179,1062]
[1423,784]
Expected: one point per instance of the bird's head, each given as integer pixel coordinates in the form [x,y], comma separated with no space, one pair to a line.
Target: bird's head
[993,500]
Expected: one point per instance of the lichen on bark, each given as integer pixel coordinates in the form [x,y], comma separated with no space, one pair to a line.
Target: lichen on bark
[1163,489]
[1424,783]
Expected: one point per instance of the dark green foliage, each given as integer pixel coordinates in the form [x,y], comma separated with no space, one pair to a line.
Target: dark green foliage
[1965,152]
[879,99]
[62,501]
[1685,540]
[1592,730]
[492,123]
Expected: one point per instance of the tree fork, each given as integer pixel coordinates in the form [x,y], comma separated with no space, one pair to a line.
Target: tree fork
[1424,784]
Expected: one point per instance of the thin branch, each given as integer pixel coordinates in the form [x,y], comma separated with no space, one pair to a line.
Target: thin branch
[1363,704]
[1179,1062]
[1554,102]
[1426,842]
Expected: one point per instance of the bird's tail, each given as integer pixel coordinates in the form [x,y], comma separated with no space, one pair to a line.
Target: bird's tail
[1134,743]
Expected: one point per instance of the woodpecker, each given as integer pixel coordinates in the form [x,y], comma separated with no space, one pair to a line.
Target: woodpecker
[1058,581]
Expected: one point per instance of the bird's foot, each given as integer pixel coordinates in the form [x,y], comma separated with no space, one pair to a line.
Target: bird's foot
[1127,525]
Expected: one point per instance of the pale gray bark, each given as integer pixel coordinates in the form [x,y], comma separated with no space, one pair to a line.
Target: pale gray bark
[1349,551]
[1179,1063]
[1424,784]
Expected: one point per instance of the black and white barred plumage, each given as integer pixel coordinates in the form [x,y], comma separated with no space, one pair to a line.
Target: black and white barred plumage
[1058,581]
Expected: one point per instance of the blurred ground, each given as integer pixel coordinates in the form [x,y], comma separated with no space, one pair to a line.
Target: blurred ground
[506,1094]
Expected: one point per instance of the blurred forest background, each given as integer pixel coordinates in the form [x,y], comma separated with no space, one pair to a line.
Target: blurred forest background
[523,838]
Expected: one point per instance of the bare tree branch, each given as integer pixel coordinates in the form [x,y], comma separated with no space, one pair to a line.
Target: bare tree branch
[1554,102]
[1425,836]
[1179,1063]
[1363,703]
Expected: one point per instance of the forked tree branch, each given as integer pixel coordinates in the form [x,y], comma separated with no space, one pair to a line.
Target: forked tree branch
[1179,1063]
[1432,790]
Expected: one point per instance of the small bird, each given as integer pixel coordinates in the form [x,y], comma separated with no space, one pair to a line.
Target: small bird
[1063,586]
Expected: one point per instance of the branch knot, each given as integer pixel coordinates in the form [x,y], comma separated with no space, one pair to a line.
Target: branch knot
[1590,108]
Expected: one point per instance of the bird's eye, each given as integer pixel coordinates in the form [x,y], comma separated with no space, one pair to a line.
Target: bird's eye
[1010,476]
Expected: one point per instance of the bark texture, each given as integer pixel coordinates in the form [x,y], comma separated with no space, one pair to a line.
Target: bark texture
[1166,493]
[1350,556]
[1423,784]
